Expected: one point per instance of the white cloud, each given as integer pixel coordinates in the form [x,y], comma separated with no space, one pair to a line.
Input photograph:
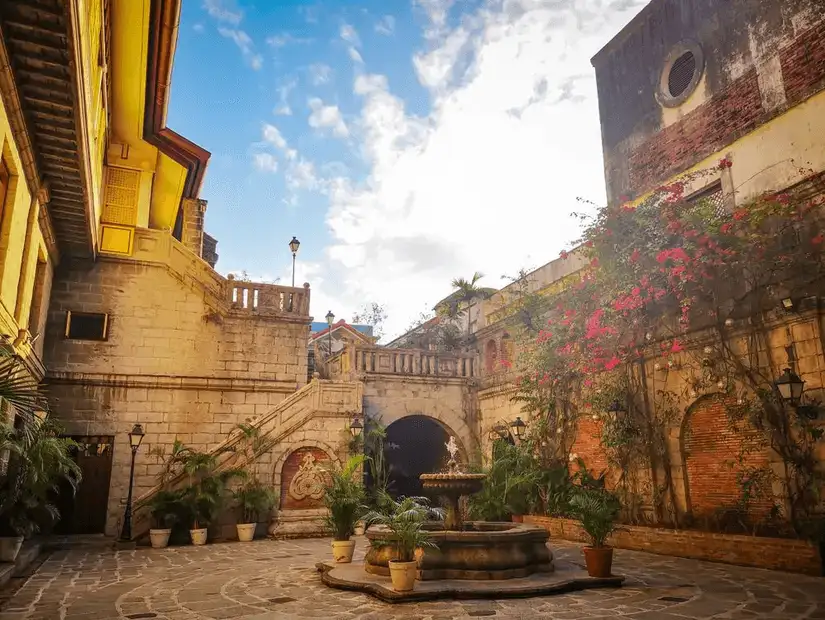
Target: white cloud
[327,116]
[273,135]
[355,56]
[224,11]
[349,34]
[284,39]
[245,44]
[283,108]
[265,162]
[320,73]
[385,25]
[486,181]
[199,28]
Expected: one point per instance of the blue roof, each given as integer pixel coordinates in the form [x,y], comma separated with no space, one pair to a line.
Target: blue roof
[317,326]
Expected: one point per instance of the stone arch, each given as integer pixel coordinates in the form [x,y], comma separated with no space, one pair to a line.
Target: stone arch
[711,447]
[420,447]
[490,356]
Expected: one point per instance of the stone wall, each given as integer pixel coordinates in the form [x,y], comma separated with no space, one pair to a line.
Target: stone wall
[174,361]
[796,556]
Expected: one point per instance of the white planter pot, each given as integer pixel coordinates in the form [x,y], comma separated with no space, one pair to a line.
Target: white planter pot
[198,536]
[403,575]
[342,551]
[159,538]
[10,547]
[246,531]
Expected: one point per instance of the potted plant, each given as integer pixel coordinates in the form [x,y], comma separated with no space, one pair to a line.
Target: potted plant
[207,490]
[596,510]
[405,521]
[254,500]
[165,509]
[38,460]
[343,498]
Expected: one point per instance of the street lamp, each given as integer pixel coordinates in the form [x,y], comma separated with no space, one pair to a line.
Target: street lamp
[135,437]
[330,318]
[790,387]
[356,427]
[293,246]
[518,427]
[616,408]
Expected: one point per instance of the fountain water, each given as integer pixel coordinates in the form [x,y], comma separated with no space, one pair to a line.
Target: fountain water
[466,550]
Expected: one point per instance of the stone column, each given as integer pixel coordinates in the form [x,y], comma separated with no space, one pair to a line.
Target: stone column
[192,234]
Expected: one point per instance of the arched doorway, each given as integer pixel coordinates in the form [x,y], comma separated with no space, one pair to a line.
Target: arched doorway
[416,445]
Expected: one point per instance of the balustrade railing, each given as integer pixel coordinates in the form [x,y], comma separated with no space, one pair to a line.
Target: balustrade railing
[267,299]
[415,362]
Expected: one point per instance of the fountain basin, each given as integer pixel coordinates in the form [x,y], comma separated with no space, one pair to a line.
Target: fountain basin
[481,550]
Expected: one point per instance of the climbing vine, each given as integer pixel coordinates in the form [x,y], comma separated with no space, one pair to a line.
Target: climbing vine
[677,298]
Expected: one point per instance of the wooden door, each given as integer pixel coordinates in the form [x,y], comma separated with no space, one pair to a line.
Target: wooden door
[85,511]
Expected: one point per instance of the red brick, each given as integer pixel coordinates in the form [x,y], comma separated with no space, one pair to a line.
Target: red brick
[290,468]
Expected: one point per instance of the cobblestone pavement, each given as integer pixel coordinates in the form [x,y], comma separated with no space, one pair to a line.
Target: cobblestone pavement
[270,580]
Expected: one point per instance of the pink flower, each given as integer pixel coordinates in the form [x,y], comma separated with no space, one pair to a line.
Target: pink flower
[614,361]
[634,257]
[818,239]
[726,228]
[725,163]
[676,348]
[563,254]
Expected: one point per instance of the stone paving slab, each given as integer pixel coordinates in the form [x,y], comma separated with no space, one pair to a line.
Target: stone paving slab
[277,580]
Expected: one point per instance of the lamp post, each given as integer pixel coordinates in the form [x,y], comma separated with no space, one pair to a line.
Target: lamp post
[293,246]
[135,437]
[790,387]
[356,427]
[518,427]
[330,318]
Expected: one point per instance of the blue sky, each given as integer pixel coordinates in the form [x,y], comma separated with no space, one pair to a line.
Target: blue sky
[404,142]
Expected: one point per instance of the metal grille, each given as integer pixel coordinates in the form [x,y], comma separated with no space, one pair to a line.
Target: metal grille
[681,74]
[712,196]
[121,199]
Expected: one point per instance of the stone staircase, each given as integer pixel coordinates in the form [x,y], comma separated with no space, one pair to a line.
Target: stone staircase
[342,399]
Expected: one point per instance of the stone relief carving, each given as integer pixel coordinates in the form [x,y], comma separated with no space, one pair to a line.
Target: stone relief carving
[308,481]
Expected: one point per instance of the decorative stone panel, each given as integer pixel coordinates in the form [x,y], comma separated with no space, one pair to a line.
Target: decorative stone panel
[302,479]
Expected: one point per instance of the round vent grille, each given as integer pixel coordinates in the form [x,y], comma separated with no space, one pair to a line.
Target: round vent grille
[681,74]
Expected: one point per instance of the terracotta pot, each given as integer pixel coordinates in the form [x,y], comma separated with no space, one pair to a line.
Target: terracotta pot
[342,551]
[246,531]
[517,518]
[159,538]
[198,536]
[10,547]
[599,561]
[403,575]
[360,529]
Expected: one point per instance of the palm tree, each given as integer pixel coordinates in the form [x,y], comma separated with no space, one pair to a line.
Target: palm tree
[466,292]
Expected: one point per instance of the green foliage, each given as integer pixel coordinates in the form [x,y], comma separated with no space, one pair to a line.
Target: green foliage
[165,508]
[207,490]
[511,486]
[405,521]
[344,497]
[597,510]
[39,460]
[255,500]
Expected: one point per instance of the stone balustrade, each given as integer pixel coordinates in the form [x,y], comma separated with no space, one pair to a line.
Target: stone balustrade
[359,360]
[267,299]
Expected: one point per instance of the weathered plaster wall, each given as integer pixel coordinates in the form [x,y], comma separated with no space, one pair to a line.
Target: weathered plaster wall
[760,60]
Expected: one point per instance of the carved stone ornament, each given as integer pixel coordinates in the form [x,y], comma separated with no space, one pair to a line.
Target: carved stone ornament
[308,481]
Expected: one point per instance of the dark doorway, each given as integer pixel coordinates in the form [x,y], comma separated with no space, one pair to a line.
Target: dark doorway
[85,511]
[419,447]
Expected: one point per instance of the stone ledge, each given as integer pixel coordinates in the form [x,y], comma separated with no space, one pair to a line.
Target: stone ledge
[796,556]
[567,578]
[28,554]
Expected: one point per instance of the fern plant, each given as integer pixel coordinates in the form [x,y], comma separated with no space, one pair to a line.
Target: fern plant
[597,510]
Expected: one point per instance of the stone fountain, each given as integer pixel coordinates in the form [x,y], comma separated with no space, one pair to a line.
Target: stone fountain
[466,550]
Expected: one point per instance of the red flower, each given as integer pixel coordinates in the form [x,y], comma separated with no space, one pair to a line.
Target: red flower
[726,228]
[634,257]
[676,348]
[594,262]
[636,291]
[818,239]
[740,214]
[725,163]
[563,254]
[614,361]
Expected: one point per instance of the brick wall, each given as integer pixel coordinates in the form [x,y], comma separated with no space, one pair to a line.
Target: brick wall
[192,233]
[588,444]
[291,468]
[796,556]
[803,64]
[730,114]
[712,449]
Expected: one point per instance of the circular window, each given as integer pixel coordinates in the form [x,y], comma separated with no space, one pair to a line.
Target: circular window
[681,74]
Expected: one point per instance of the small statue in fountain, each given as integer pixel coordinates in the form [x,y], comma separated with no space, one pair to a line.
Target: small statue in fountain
[452,449]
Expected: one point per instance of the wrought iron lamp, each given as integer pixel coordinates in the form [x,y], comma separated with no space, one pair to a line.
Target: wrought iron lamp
[135,438]
[293,247]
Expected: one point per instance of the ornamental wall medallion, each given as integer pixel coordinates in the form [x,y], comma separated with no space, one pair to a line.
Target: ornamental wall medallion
[303,479]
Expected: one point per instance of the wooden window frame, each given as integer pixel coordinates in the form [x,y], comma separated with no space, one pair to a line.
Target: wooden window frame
[105,316]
